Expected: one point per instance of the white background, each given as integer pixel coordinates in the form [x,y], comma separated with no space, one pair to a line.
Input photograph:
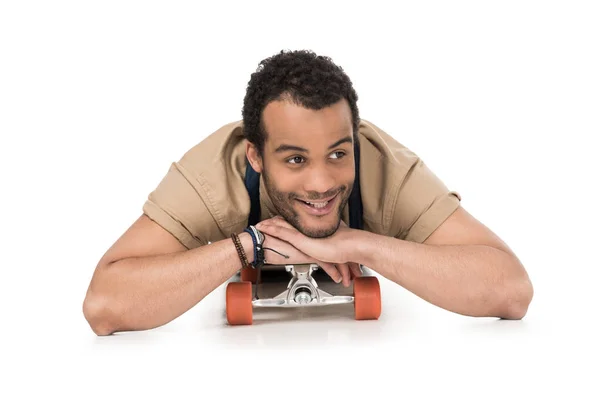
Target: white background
[501,100]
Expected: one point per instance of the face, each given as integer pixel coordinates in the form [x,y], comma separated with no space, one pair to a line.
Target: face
[308,164]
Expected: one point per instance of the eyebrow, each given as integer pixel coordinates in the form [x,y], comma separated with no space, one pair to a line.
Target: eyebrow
[286,147]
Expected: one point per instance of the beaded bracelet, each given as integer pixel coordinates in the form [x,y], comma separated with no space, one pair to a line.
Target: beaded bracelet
[240,250]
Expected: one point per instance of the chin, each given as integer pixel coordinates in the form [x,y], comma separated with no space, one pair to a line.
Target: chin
[320,231]
[317,227]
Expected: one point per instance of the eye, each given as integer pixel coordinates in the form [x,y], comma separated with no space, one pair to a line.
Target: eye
[294,158]
[341,154]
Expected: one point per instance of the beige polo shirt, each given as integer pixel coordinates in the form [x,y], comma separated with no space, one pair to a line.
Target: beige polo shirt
[202,198]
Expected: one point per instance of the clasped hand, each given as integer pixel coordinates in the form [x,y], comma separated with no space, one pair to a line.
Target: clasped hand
[329,253]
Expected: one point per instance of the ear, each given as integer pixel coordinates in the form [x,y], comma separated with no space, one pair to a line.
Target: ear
[255,160]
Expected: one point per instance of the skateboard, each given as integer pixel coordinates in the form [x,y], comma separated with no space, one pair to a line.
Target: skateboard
[295,285]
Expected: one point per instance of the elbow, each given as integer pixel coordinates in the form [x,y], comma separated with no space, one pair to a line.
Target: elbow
[516,300]
[99,314]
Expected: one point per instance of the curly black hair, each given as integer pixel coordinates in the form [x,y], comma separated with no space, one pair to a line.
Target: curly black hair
[307,79]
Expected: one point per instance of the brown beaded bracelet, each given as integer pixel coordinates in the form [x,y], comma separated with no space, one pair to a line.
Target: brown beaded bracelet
[240,249]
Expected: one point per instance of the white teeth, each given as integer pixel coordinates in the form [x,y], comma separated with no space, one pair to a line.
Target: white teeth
[317,205]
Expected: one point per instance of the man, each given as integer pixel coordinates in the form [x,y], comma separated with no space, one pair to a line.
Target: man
[299,130]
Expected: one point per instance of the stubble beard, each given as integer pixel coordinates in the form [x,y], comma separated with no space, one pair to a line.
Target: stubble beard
[284,204]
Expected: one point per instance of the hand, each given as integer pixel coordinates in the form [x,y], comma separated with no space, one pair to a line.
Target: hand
[329,250]
[339,273]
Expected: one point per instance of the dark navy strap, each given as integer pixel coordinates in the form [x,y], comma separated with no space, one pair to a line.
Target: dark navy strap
[355,200]
[252,182]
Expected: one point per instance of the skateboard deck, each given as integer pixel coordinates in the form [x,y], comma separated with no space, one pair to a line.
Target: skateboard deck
[295,286]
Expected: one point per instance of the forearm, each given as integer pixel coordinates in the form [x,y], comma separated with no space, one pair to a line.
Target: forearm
[472,280]
[147,292]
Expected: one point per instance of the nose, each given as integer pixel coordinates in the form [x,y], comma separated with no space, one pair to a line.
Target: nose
[319,181]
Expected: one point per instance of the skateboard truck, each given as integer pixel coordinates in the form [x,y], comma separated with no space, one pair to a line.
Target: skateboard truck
[302,291]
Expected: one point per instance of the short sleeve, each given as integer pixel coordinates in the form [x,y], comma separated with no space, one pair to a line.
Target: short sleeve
[423,202]
[176,205]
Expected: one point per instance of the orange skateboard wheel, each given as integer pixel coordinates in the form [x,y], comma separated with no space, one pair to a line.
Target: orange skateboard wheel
[248,274]
[367,298]
[238,303]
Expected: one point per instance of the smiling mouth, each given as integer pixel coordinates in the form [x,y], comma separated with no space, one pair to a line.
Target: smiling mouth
[316,205]
[320,204]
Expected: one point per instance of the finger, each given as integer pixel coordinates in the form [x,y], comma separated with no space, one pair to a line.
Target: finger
[262,224]
[283,233]
[279,221]
[355,269]
[331,270]
[274,222]
[266,221]
[344,270]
